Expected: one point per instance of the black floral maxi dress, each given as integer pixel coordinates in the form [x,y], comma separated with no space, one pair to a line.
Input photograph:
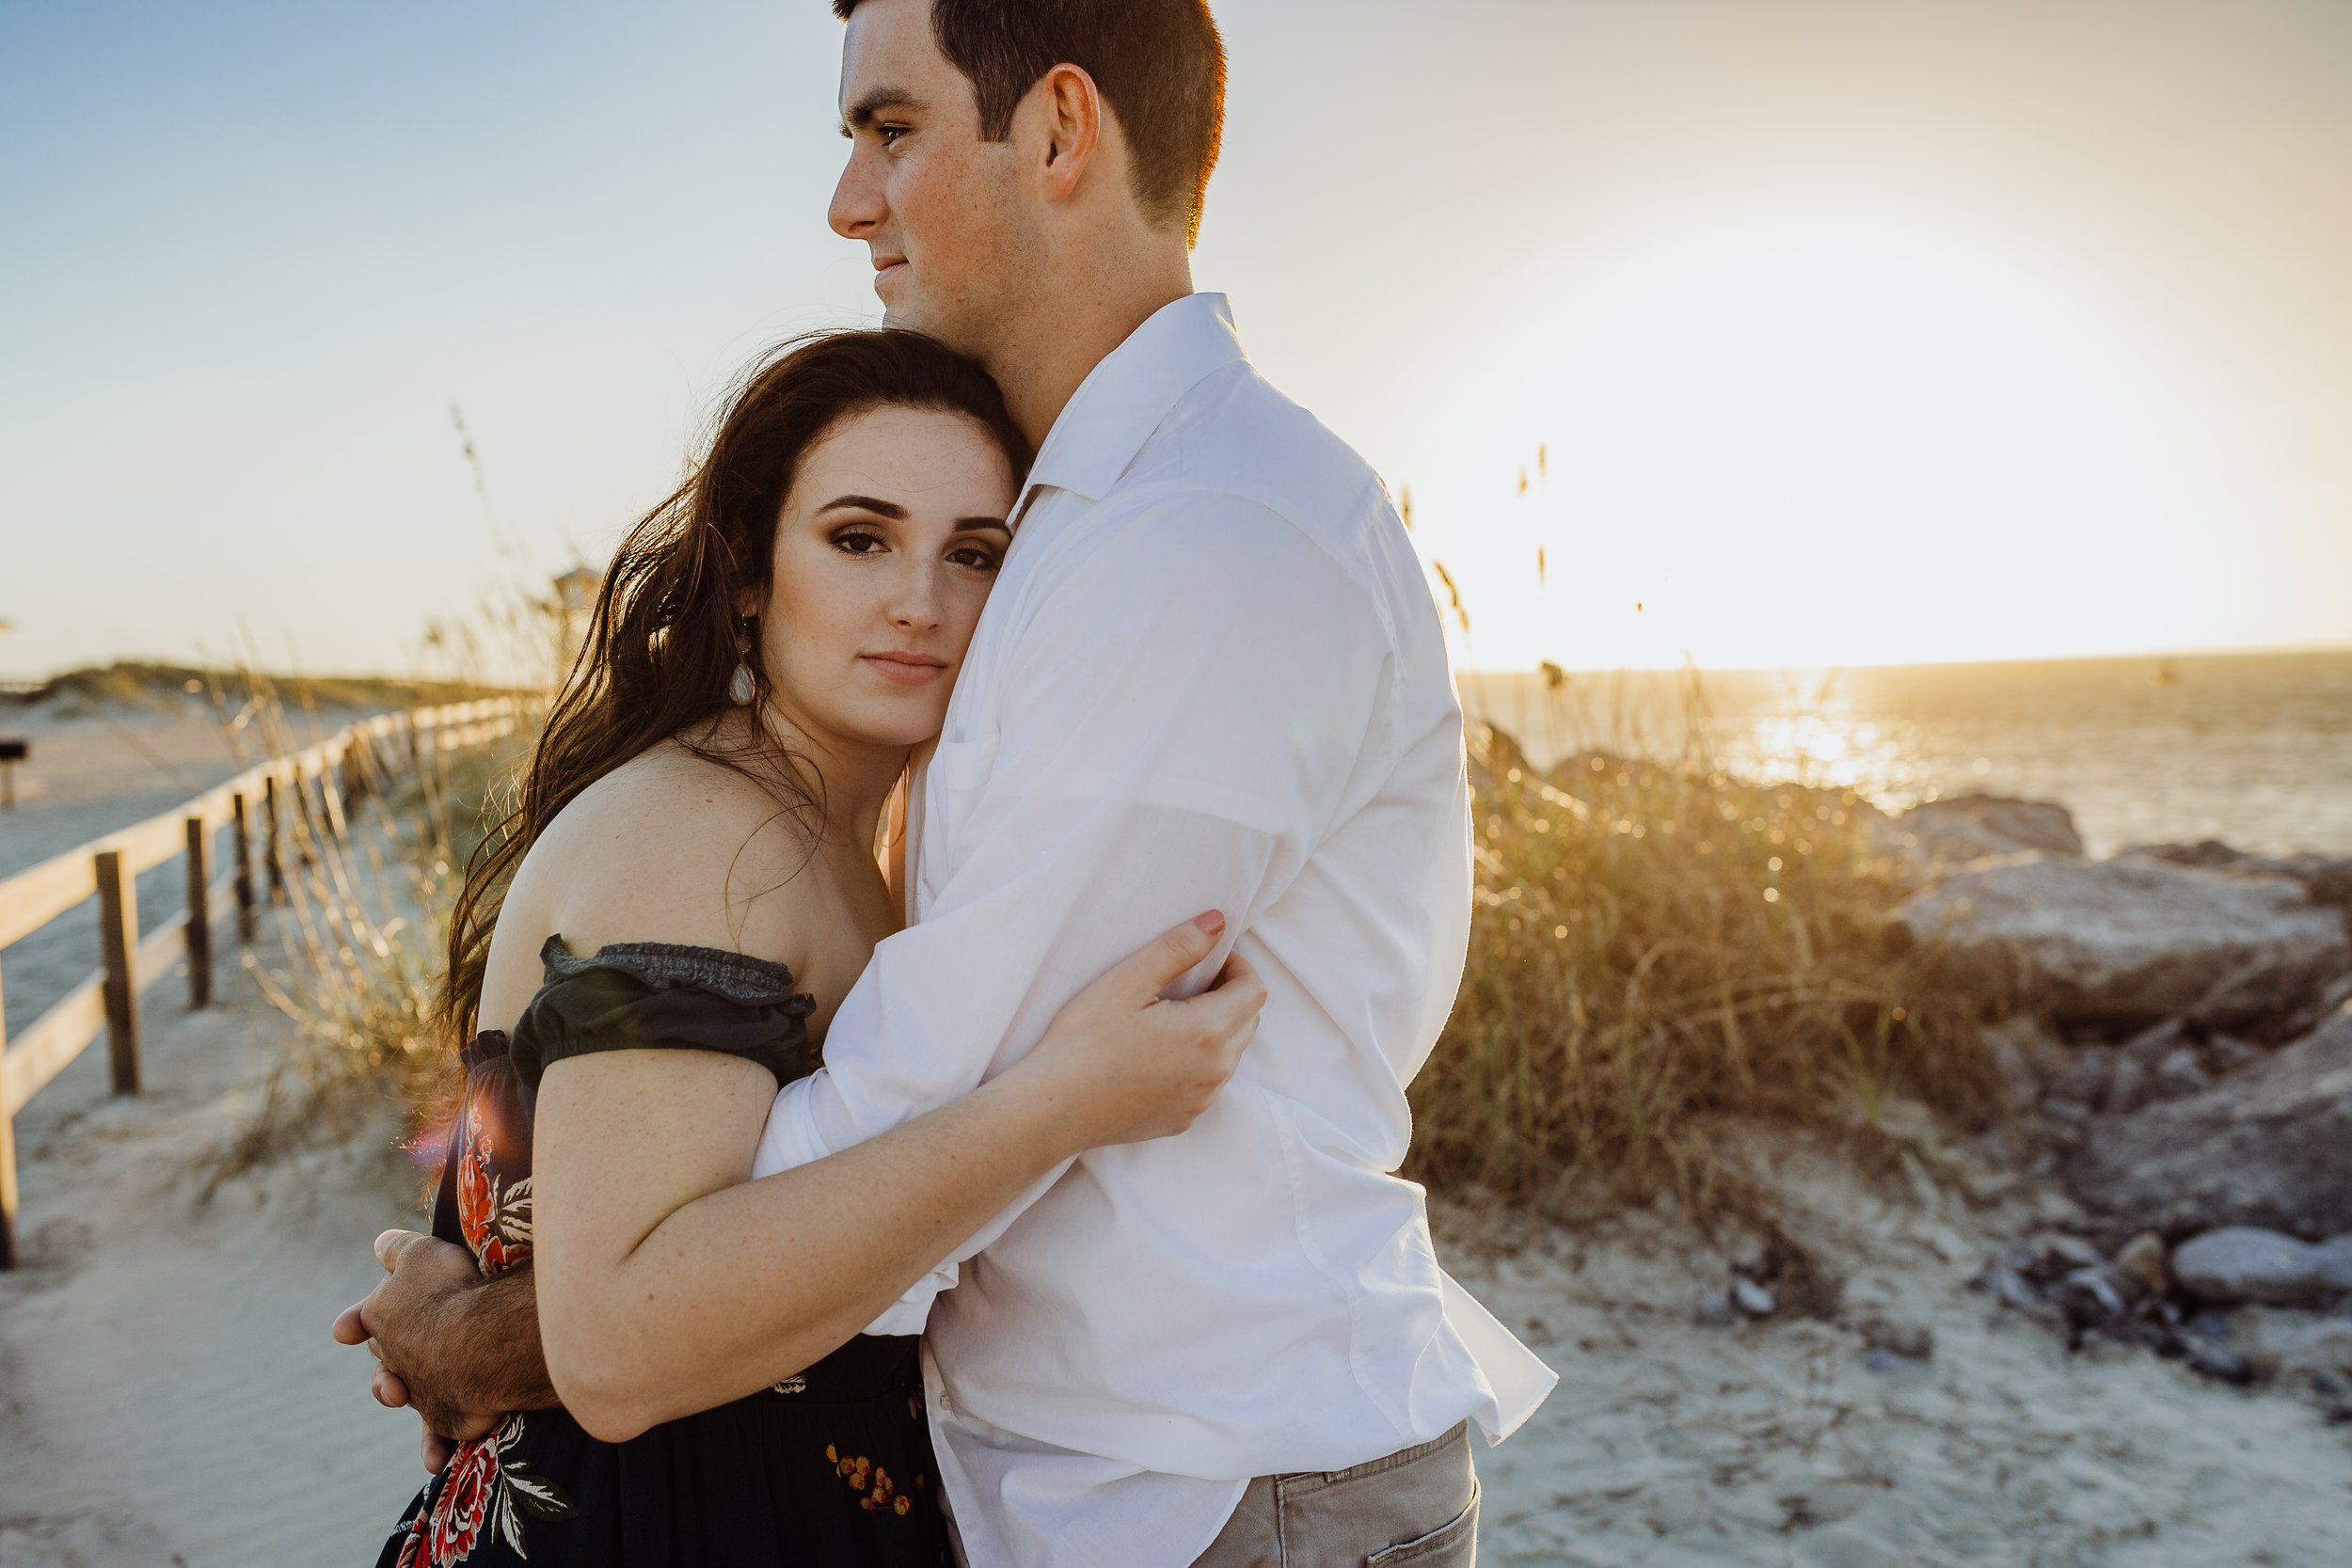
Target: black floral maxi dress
[832,1466]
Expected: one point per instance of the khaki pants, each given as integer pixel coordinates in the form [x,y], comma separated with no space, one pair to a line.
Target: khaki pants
[1417,1509]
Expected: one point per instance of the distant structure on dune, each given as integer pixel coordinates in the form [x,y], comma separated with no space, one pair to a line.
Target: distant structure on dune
[575,596]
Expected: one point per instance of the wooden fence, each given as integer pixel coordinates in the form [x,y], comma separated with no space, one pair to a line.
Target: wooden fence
[260,808]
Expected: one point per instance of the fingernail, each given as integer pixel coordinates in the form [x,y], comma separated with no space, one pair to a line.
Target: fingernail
[1212,922]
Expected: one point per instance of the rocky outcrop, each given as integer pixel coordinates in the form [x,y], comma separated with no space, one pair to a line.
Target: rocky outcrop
[2241,1306]
[2277,1343]
[2238,1264]
[2027,1057]
[2270,1147]
[2162,1063]
[2327,878]
[2141,1260]
[2062,1282]
[1970,827]
[2128,941]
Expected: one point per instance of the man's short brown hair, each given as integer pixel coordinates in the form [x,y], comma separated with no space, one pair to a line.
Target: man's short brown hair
[1159,63]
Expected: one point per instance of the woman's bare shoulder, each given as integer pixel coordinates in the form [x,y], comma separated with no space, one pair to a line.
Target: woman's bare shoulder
[668,797]
[672,846]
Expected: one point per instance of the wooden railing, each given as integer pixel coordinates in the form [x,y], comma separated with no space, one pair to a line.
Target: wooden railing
[260,807]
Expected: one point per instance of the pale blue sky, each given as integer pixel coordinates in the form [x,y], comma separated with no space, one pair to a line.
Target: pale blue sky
[1853,329]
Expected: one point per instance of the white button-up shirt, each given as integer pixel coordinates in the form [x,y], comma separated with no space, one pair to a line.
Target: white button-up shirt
[1211,676]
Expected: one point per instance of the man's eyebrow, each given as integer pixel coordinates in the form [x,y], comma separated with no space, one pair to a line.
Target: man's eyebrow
[870,107]
[865,504]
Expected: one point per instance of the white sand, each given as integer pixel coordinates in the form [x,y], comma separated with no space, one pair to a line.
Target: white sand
[1669,1444]
[168,1393]
[93,771]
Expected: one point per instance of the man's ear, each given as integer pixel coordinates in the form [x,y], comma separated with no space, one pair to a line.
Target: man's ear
[1074,127]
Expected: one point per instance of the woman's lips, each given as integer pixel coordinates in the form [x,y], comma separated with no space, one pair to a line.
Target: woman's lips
[907,669]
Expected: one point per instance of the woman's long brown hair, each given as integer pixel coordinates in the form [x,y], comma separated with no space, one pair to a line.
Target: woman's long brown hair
[661,644]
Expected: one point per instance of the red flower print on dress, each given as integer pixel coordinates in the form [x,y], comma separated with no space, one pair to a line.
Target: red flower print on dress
[494,1216]
[475,1193]
[484,1496]
[468,1488]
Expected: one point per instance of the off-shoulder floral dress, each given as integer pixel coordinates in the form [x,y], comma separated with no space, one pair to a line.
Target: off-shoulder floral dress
[832,1466]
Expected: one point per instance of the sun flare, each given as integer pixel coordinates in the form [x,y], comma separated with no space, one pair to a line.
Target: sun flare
[1827,444]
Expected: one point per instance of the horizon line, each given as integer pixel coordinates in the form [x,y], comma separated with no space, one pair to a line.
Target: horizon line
[2278,650]
[2237,651]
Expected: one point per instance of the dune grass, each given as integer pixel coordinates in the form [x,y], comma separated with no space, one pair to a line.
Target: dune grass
[1658,948]
[372,867]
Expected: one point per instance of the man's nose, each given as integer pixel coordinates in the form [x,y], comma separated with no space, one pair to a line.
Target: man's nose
[857,205]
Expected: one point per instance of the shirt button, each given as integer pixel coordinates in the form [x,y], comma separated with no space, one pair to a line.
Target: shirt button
[943,1404]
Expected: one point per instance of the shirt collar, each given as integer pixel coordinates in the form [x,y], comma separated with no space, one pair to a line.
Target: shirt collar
[1124,398]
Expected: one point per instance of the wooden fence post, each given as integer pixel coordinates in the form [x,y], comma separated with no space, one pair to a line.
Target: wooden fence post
[199,913]
[7,1156]
[244,868]
[119,936]
[334,804]
[306,818]
[358,774]
[318,812]
[271,858]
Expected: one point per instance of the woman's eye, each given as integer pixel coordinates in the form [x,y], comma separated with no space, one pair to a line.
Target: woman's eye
[857,542]
[975,558]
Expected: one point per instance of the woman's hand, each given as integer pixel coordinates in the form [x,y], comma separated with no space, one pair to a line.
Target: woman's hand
[1118,1064]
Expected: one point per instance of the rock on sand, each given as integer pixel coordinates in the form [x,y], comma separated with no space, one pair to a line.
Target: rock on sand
[2129,940]
[2238,1264]
[2270,1147]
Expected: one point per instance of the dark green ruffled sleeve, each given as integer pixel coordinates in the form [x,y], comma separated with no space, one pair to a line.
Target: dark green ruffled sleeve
[633,996]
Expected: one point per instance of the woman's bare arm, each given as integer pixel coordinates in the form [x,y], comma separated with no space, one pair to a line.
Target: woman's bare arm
[669,1284]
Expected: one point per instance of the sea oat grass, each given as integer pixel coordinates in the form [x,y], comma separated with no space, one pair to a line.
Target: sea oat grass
[1657,949]
[361,934]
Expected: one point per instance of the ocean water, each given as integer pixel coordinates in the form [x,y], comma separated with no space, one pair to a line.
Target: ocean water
[2255,750]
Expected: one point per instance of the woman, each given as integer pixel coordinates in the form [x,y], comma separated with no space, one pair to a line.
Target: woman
[688,887]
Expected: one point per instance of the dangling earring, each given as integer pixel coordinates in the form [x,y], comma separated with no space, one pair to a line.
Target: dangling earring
[741,687]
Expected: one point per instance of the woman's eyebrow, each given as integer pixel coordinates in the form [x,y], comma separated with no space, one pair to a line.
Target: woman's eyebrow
[865,504]
[968,524]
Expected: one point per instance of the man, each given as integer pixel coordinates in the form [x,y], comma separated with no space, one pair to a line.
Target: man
[1211,676]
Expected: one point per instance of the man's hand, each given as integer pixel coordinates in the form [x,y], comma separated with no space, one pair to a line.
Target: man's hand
[409,1322]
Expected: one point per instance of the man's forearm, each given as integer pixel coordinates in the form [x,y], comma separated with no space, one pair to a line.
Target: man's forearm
[493,1342]
[471,1355]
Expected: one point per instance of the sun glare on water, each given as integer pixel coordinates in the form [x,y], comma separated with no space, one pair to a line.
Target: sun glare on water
[1828,444]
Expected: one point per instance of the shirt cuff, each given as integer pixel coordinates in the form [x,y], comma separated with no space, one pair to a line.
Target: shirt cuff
[791,1139]
[908,1314]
